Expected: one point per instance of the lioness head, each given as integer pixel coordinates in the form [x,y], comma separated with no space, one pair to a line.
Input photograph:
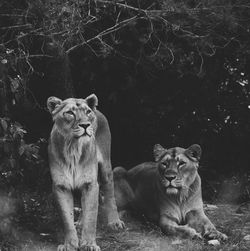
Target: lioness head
[177,166]
[74,118]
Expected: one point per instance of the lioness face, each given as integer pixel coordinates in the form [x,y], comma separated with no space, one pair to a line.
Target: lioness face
[74,118]
[177,166]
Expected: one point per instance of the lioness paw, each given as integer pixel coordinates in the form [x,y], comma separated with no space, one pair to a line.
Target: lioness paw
[90,247]
[66,247]
[71,242]
[194,234]
[223,237]
[215,234]
[197,236]
[116,225]
[188,232]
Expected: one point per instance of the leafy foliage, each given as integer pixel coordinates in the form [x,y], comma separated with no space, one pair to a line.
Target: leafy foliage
[14,151]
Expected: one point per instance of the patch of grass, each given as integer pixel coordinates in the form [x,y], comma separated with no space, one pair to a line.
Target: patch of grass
[145,236]
[39,228]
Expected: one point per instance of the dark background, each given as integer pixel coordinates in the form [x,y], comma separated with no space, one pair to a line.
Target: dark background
[178,74]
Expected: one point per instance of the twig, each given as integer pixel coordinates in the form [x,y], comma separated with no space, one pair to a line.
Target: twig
[16,27]
[21,36]
[37,56]
[12,15]
[202,61]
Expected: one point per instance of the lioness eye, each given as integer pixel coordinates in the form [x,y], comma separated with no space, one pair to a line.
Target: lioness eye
[88,112]
[181,163]
[70,113]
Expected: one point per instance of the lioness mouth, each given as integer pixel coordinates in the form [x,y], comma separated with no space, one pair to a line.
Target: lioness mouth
[172,187]
[85,134]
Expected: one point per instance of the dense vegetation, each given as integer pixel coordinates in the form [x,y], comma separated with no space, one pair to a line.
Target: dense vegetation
[174,72]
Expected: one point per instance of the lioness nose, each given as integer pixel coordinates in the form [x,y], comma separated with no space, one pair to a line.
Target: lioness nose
[85,125]
[170,178]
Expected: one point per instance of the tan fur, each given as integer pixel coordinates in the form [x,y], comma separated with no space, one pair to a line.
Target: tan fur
[79,150]
[167,192]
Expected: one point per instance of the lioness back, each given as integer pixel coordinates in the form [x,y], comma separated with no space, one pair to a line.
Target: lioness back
[103,135]
[143,200]
[142,171]
[140,178]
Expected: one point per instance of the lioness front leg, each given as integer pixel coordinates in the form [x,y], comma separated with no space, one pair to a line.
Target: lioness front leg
[199,220]
[65,202]
[89,201]
[110,207]
[170,227]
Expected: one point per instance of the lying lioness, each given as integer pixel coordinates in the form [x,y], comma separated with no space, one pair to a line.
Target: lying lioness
[167,192]
[79,152]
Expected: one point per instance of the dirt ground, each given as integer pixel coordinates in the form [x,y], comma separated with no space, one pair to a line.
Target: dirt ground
[38,227]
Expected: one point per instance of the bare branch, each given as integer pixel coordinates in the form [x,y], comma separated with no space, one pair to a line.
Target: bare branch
[21,26]
[111,29]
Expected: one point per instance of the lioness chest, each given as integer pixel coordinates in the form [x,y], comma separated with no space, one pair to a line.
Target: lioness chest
[153,205]
[152,201]
[78,175]
[74,166]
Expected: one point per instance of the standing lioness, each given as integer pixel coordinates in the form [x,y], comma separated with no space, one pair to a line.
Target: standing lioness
[168,192]
[79,147]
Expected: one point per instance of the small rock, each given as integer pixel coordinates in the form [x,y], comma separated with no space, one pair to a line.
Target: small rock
[4,61]
[211,207]
[44,234]
[176,242]
[77,209]
[247,237]
[214,242]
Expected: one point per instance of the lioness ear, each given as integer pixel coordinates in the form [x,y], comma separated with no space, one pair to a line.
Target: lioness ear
[52,103]
[158,151]
[194,152]
[92,101]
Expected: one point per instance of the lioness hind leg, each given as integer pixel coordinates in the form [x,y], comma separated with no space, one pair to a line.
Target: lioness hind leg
[110,207]
[65,202]
[124,194]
